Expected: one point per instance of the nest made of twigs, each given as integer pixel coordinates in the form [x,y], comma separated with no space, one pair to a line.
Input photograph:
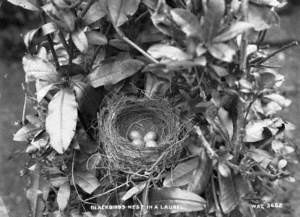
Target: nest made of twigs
[119,115]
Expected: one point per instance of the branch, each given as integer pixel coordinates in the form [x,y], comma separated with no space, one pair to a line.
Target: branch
[244,44]
[238,130]
[205,143]
[283,48]
[124,38]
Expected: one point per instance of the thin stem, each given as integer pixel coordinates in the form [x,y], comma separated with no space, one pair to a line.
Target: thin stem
[24,106]
[283,48]
[126,39]
[205,143]
[107,192]
[243,54]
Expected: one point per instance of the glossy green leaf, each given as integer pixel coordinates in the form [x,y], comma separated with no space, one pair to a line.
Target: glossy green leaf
[25,133]
[134,191]
[26,4]
[62,119]
[254,130]
[187,21]
[63,18]
[222,52]
[214,11]
[262,17]
[114,71]
[233,31]
[96,38]
[63,196]
[175,200]
[37,68]
[229,197]
[167,51]
[86,181]
[202,174]
[120,9]
[271,3]
[95,12]
[80,40]
[182,173]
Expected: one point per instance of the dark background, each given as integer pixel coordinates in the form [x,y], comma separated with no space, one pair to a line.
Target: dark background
[15,21]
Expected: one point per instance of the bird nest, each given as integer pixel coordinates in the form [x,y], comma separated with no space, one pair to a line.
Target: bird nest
[120,115]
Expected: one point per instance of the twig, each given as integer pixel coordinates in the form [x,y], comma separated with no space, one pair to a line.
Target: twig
[126,39]
[107,192]
[205,143]
[25,104]
[244,44]
[238,129]
[283,48]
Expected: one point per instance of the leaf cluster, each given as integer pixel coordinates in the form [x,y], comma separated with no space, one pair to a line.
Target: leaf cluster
[206,57]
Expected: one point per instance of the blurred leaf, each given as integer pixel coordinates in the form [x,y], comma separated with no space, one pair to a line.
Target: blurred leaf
[254,130]
[223,169]
[30,37]
[168,51]
[214,11]
[270,79]
[182,173]
[95,12]
[155,85]
[35,120]
[202,174]
[40,94]
[34,194]
[25,133]
[279,99]
[134,191]
[3,209]
[185,200]
[187,21]
[58,181]
[96,38]
[37,68]
[120,9]
[161,20]
[26,4]
[262,17]
[229,198]
[63,18]
[222,52]
[221,71]
[80,40]
[242,186]
[114,71]
[271,3]
[232,31]
[86,181]
[260,156]
[62,119]
[63,196]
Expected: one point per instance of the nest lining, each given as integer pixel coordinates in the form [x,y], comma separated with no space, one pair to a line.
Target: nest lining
[120,115]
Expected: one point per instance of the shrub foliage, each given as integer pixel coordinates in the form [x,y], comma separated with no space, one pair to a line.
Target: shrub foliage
[207,58]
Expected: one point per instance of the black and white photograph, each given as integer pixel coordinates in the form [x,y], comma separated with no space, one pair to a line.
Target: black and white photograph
[149,108]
